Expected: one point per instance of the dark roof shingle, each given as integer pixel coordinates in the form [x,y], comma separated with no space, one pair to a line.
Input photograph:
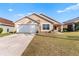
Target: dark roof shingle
[50,18]
[72,20]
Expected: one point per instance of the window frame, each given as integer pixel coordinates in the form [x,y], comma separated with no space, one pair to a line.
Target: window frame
[44,25]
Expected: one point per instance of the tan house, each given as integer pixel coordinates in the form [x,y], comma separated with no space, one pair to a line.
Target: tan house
[37,23]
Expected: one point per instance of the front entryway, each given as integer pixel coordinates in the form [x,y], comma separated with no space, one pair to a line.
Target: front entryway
[56,28]
[70,27]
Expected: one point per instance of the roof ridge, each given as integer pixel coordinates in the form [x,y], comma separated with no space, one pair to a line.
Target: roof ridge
[32,19]
[74,19]
[26,17]
[38,16]
[20,18]
[5,19]
[41,17]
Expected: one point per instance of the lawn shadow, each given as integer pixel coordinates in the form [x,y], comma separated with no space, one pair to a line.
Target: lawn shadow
[73,38]
[62,37]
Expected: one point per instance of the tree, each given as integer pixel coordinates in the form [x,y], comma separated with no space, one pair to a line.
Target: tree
[77,26]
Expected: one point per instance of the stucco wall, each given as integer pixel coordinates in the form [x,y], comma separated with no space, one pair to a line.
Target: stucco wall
[22,21]
[65,26]
[41,21]
[7,27]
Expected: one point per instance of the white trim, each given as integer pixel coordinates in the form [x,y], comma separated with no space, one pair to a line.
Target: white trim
[73,25]
[18,25]
[61,28]
[50,27]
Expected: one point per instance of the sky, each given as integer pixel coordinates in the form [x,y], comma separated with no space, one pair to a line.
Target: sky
[58,11]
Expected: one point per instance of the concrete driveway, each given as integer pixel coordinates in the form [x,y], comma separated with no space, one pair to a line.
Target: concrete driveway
[14,45]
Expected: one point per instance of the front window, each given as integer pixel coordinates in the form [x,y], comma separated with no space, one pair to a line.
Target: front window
[46,27]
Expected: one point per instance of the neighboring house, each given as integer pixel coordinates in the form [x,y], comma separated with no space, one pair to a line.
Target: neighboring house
[72,25]
[7,25]
[37,23]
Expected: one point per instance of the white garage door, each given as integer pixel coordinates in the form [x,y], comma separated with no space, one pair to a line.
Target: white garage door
[27,28]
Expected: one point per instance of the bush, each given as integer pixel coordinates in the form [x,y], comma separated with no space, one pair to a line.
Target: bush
[59,30]
[65,30]
[12,32]
[1,30]
[49,32]
[37,32]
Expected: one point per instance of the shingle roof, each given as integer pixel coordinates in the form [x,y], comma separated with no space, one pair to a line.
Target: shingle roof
[6,22]
[72,20]
[44,18]
[39,15]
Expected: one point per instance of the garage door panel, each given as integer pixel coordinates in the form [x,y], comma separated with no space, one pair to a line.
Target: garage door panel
[28,28]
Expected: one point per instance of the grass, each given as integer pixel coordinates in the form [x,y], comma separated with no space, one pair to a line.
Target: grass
[52,44]
[4,34]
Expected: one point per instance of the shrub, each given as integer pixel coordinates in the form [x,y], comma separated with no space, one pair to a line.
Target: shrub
[49,32]
[59,30]
[65,30]
[37,32]
[1,30]
[12,32]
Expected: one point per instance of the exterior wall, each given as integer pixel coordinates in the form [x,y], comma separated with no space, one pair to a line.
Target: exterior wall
[42,21]
[7,27]
[16,27]
[65,26]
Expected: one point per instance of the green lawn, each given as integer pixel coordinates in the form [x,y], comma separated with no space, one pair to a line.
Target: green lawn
[52,44]
[4,34]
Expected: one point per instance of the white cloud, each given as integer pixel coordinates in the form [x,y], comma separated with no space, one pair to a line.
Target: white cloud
[30,13]
[70,8]
[10,10]
[22,14]
[19,15]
